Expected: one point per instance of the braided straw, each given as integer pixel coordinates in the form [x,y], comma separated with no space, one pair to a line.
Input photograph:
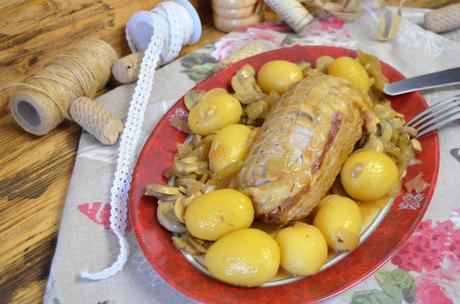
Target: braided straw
[95,119]
[42,101]
[443,19]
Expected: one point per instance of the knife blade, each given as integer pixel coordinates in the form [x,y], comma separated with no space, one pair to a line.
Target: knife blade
[427,81]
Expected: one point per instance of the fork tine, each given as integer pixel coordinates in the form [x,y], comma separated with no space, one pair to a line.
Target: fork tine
[439,123]
[436,106]
[437,119]
[437,112]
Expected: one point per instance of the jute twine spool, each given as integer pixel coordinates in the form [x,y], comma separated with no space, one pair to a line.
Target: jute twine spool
[95,119]
[444,19]
[42,101]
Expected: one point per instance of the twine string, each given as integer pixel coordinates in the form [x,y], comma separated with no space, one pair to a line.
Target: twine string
[80,71]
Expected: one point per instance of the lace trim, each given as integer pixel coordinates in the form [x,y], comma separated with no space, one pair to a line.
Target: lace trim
[126,156]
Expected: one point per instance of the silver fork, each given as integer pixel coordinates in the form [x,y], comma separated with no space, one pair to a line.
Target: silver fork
[436,116]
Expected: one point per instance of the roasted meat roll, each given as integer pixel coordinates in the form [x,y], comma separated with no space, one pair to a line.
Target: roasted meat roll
[301,147]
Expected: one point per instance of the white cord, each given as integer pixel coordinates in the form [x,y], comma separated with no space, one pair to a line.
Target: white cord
[171,31]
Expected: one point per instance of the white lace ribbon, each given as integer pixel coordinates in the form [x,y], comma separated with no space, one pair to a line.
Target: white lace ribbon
[170,33]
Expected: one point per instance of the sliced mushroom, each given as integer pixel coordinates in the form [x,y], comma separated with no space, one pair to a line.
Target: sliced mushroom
[257,109]
[190,165]
[179,124]
[222,178]
[179,210]
[304,67]
[383,111]
[162,192]
[416,145]
[191,99]
[323,62]
[181,244]
[271,99]
[183,150]
[191,186]
[386,130]
[396,123]
[167,218]
[373,67]
[409,130]
[374,144]
[190,160]
[169,173]
[197,244]
[205,176]
[196,140]
[209,188]
[245,86]
[201,151]
[187,200]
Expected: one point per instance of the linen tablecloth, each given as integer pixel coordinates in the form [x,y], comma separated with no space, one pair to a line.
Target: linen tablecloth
[426,270]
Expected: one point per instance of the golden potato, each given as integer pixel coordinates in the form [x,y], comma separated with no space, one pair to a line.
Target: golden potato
[339,220]
[214,214]
[303,249]
[278,76]
[369,175]
[246,257]
[215,110]
[229,145]
[351,70]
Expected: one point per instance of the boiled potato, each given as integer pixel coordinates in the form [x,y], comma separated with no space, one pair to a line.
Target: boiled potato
[278,76]
[246,257]
[351,70]
[303,249]
[229,145]
[214,214]
[215,110]
[339,220]
[369,175]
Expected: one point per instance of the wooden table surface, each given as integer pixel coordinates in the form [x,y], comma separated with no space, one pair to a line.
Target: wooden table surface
[35,171]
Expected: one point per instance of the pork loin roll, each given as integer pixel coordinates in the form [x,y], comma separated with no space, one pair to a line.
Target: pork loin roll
[301,147]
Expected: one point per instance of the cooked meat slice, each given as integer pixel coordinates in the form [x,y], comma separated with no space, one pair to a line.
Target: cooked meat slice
[301,147]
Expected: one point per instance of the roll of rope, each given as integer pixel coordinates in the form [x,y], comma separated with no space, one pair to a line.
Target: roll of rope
[160,33]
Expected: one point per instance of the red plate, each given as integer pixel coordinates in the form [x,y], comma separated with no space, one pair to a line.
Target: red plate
[385,241]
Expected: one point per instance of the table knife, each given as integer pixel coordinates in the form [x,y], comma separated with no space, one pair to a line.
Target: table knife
[427,81]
